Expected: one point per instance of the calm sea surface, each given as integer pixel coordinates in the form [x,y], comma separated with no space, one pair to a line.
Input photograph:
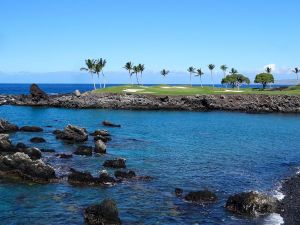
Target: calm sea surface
[223,152]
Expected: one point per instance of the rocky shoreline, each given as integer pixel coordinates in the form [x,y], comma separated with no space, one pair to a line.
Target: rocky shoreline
[243,103]
[290,205]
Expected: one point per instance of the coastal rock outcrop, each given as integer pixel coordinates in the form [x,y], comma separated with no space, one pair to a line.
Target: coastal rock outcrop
[100,147]
[104,133]
[118,163]
[85,178]
[102,138]
[72,134]
[7,127]
[105,213]
[5,143]
[110,124]
[201,197]
[33,153]
[37,94]
[251,203]
[31,129]
[21,165]
[84,150]
[119,174]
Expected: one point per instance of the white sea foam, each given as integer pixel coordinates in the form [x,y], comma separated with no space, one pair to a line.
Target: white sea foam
[273,219]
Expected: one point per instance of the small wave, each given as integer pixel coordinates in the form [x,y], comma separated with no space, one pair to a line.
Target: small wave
[273,219]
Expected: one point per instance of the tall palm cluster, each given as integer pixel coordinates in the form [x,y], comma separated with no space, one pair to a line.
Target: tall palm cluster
[132,69]
[95,66]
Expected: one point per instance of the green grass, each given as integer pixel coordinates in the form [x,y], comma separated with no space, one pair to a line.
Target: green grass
[187,90]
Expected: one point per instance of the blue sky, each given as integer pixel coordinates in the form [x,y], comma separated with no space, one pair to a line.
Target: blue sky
[48,40]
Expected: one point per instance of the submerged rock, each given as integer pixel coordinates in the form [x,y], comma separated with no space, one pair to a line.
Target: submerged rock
[21,165]
[251,203]
[84,150]
[201,197]
[86,178]
[100,147]
[31,129]
[47,150]
[105,213]
[178,192]
[37,94]
[37,140]
[72,134]
[6,127]
[110,124]
[115,163]
[125,174]
[64,155]
[5,143]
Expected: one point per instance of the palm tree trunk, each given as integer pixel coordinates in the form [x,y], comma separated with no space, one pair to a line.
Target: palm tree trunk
[104,80]
[93,81]
[137,79]
[201,81]
[100,84]
[191,79]
[142,79]
[211,73]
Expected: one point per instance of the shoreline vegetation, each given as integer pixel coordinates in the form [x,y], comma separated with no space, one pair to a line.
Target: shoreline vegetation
[231,78]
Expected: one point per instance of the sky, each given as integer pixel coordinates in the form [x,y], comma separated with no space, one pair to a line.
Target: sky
[47,41]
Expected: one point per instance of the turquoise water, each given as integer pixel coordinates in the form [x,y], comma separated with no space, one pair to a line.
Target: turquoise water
[224,152]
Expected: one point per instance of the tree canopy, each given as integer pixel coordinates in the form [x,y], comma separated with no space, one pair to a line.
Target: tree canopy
[235,80]
[264,79]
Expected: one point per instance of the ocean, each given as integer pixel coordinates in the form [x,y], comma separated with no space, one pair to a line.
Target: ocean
[224,152]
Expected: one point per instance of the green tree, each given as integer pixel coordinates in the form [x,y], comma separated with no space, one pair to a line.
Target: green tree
[235,80]
[224,69]
[90,67]
[296,71]
[199,74]
[211,67]
[129,67]
[191,70]
[264,79]
[141,68]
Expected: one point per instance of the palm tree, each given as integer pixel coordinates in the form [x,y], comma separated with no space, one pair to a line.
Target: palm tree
[191,70]
[97,70]
[164,72]
[90,67]
[296,71]
[211,68]
[102,63]
[129,66]
[224,69]
[233,71]
[268,69]
[141,68]
[199,74]
[136,70]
